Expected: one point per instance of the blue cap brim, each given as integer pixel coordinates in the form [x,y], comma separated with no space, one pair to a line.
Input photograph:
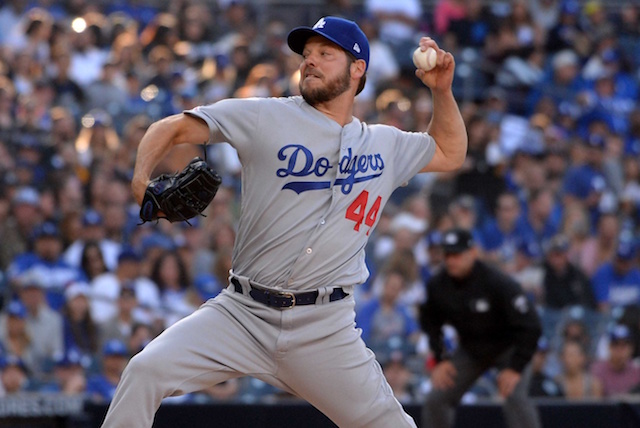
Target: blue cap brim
[298,37]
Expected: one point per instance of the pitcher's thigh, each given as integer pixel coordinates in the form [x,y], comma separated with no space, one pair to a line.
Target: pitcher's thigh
[342,379]
[205,348]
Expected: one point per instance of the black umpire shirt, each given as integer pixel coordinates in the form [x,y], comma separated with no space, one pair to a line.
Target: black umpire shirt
[489,311]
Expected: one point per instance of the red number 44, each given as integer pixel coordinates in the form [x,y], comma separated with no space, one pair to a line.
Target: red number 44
[356,211]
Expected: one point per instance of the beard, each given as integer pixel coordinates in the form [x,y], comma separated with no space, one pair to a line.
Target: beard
[330,91]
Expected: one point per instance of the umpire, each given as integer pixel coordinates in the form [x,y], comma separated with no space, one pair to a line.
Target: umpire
[497,326]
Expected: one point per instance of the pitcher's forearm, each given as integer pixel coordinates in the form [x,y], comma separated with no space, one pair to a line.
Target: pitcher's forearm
[447,127]
[158,141]
[154,146]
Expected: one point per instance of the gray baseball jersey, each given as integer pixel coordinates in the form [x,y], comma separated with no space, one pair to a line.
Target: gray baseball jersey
[312,190]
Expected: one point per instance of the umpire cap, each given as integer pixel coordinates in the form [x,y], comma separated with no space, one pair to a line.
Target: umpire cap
[457,241]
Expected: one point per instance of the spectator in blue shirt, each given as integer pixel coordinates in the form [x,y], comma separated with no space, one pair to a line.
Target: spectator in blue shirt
[579,180]
[501,236]
[617,283]
[46,258]
[69,374]
[384,320]
[542,218]
[586,183]
[604,101]
[102,386]
[561,84]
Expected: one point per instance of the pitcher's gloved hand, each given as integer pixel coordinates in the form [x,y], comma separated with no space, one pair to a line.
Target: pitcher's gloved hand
[180,196]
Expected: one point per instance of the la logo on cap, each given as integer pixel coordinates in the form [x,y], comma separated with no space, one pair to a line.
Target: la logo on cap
[320,24]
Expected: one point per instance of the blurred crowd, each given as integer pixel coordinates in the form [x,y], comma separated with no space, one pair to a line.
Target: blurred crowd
[550,188]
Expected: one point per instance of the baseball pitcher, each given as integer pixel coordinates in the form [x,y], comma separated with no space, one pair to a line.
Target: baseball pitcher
[314,181]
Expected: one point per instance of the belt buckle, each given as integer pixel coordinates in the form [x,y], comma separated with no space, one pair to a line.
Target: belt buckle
[287,295]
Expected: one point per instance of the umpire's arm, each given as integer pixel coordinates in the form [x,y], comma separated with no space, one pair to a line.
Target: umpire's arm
[158,141]
[431,321]
[522,320]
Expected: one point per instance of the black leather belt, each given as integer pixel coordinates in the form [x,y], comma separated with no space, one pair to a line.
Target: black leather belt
[285,299]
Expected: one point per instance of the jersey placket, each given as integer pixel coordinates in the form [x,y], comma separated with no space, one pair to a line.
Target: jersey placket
[308,250]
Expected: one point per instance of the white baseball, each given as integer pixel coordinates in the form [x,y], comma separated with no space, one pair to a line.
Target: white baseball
[425,60]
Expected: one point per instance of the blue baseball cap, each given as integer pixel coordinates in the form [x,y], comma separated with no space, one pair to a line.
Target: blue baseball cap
[115,347]
[71,357]
[12,360]
[129,254]
[157,240]
[47,229]
[626,250]
[570,7]
[92,217]
[434,238]
[595,141]
[620,333]
[17,309]
[340,31]
[543,344]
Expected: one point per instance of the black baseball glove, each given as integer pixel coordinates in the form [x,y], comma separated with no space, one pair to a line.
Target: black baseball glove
[180,196]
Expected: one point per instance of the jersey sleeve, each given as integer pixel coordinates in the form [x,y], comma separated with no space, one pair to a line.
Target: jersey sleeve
[412,152]
[236,119]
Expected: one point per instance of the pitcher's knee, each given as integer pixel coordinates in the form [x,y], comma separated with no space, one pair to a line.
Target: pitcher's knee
[144,366]
[388,414]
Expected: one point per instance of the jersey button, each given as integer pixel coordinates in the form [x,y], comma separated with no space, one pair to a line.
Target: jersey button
[309,251]
[322,221]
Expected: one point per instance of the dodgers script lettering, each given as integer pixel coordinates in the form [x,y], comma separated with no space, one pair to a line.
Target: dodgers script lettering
[300,162]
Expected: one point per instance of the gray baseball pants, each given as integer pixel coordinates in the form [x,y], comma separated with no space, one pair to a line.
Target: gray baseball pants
[439,407]
[314,352]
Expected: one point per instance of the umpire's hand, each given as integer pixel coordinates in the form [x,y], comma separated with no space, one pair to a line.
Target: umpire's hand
[443,375]
[508,379]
